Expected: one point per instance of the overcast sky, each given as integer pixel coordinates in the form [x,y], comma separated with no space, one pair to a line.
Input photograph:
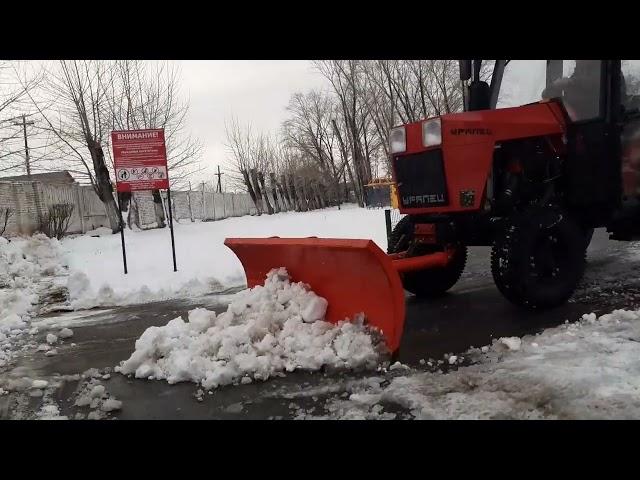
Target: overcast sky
[255,91]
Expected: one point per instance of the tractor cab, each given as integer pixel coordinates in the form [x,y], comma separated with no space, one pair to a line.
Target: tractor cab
[601,106]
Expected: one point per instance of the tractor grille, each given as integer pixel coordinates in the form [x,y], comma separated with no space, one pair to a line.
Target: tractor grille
[421,181]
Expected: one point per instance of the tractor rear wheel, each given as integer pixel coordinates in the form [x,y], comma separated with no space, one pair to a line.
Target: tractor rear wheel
[431,282]
[539,258]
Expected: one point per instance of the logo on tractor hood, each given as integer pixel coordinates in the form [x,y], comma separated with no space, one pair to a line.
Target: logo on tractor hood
[419,200]
[471,131]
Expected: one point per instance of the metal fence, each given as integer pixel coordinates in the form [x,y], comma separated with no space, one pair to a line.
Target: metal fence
[392,218]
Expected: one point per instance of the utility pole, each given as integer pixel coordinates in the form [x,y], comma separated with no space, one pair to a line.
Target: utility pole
[219,175]
[24,124]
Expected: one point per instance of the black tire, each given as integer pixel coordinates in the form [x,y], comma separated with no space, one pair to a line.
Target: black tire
[432,282]
[539,258]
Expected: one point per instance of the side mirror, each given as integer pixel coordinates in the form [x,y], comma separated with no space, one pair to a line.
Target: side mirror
[465,69]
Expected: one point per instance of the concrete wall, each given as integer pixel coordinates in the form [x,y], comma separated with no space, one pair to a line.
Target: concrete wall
[28,200]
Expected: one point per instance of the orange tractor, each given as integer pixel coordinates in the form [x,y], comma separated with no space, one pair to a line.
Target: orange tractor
[532,181]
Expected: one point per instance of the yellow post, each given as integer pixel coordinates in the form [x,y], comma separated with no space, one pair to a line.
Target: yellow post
[394,196]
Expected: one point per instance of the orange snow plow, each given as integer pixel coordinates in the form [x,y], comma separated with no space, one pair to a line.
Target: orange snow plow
[355,276]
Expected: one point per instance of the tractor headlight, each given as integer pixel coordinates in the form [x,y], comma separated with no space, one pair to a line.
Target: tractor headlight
[398,140]
[431,133]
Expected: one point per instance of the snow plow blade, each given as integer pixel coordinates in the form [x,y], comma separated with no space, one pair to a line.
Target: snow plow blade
[355,276]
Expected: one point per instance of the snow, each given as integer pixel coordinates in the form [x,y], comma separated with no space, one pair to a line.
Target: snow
[39,384]
[234,408]
[583,370]
[89,267]
[512,343]
[50,412]
[110,405]
[28,269]
[205,265]
[65,333]
[94,395]
[265,331]
[398,366]
[51,338]
[97,391]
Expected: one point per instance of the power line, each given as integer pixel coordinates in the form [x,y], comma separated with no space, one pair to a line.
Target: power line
[219,175]
[24,124]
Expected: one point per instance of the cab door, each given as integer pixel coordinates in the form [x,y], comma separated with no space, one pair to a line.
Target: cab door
[593,170]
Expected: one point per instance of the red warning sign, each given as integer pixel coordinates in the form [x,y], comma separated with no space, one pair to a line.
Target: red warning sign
[140,160]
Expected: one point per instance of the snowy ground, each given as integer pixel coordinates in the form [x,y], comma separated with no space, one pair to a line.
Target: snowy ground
[587,369]
[584,370]
[204,264]
[32,275]
[38,274]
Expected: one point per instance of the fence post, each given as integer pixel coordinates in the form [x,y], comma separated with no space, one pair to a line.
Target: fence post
[189,200]
[19,213]
[224,206]
[387,221]
[80,209]
[233,208]
[204,203]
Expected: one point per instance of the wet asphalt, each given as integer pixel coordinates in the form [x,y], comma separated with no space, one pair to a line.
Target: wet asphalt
[471,314]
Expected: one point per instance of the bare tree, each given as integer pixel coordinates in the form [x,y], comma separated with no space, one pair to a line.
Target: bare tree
[347,81]
[5,214]
[239,145]
[145,95]
[81,102]
[73,108]
[310,131]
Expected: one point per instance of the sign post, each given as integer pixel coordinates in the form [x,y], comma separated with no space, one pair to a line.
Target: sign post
[140,163]
[124,251]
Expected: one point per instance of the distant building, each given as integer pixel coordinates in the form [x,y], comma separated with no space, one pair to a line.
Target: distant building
[61,177]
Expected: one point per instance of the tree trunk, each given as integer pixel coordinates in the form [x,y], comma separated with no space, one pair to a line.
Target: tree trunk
[284,198]
[274,187]
[287,194]
[294,194]
[252,193]
[103,186]
[158,209]
[344,154]
[305,196]
[256,188]
[263,188]
[134,213]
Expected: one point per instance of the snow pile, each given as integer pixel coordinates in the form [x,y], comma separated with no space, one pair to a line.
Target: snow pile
[266,330]
[205,264]
[28,269]
[586,370]
[94,395]
[50,411]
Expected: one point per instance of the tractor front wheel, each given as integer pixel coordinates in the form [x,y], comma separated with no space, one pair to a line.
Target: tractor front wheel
[539,258]
[431,282]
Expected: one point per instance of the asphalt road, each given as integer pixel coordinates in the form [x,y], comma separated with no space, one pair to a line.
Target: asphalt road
[472,314]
